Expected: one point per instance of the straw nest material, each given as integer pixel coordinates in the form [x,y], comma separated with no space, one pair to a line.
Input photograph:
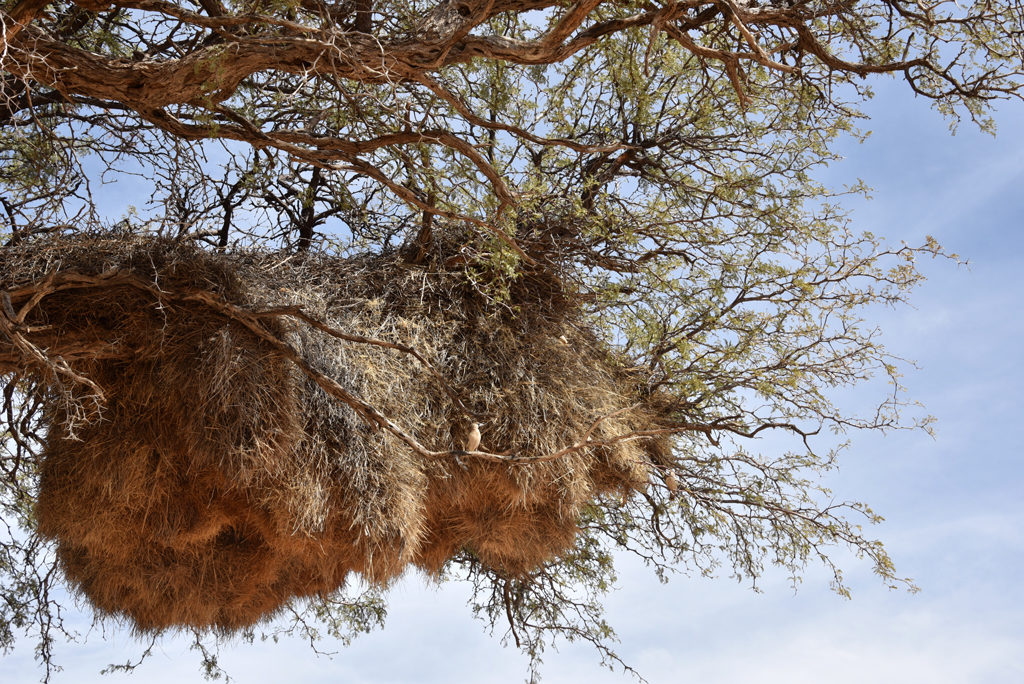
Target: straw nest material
[212,454]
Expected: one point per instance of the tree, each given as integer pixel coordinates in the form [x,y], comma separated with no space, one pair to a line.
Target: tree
[657,158]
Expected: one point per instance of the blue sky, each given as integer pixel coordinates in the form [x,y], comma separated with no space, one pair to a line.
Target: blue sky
[954,504]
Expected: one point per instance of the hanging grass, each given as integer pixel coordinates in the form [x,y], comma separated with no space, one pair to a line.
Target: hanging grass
[227,432]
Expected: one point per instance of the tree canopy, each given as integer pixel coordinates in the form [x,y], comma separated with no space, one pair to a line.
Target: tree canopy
[657,158]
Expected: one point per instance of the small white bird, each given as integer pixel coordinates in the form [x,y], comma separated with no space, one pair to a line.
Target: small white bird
[473,440]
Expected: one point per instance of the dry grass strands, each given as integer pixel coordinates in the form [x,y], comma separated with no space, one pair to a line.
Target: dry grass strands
[213,453]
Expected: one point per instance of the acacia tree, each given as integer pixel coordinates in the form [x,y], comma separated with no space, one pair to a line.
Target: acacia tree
[659,156]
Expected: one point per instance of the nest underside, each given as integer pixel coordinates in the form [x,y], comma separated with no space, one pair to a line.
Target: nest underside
[195,475]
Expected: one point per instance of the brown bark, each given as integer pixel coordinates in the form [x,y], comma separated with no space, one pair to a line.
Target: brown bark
[19,16]
[364,16]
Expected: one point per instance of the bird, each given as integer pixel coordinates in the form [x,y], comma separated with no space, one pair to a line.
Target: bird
[473,439]
[672,482]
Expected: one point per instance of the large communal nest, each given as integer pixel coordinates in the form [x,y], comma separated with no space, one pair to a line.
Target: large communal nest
[228,432]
